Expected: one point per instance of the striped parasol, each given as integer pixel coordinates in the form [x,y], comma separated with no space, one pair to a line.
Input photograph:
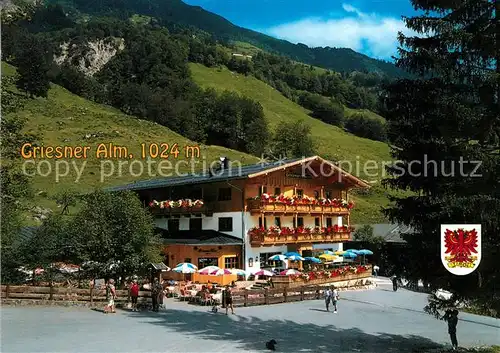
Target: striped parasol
[185,267]
[221,272]
[207,270]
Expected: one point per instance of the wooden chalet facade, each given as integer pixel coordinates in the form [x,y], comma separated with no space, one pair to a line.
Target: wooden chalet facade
[240,216]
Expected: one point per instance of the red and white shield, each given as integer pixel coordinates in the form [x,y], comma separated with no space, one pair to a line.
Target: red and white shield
[461,247]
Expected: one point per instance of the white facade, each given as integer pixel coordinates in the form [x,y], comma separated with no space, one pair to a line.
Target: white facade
[240,230]
[253,253]
[208,223]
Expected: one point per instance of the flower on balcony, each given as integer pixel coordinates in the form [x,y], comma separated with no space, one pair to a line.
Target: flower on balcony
[318,230]
[154,203]
[257,231]
[185,203]
[287,231]
[274,230]
[303,230]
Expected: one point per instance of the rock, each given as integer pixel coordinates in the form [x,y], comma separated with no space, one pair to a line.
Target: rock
[92,57]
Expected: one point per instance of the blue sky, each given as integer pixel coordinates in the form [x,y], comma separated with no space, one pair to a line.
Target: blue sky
[367,26]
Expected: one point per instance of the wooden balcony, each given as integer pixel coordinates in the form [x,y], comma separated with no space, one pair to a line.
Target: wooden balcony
[258,206]
[298,238]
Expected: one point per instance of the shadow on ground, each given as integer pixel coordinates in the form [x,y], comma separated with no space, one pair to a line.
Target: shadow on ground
[251,333]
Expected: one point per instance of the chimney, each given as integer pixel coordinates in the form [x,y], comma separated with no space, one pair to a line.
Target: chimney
[224,163]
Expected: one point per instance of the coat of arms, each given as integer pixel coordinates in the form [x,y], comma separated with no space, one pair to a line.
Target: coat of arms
[461,247]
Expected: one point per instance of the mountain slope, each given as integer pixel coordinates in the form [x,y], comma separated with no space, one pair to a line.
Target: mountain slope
[331,141]
[361,157]
[64,119]
[177,12]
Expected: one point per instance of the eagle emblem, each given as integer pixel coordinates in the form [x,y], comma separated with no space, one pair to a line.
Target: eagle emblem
[461,247]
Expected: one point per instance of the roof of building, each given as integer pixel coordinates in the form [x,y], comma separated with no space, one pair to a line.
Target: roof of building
[390,232]
[159,266]
[199,237]
[232,173]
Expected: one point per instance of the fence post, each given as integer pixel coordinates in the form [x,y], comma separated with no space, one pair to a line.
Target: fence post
[302,293]
[51,292]
[7,291]
[285,299]
[91,295]
[266,296]
[245,297]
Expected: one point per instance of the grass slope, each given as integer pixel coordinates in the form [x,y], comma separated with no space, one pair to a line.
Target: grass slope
[331,142]
[64,119]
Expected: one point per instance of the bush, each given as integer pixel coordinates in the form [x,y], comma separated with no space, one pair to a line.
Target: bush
[364,126]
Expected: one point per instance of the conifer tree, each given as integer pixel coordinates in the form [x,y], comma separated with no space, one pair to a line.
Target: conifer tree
[448,115]
[33,62]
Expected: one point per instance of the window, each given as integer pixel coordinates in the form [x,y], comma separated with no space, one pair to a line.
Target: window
[277,222]
[173,225]
[226,224]
[277,191]
[329,222]
[195,224]
[224,194]
[196,194]
[231,262]
[328,195]
[207,261]
[316,194]
[264,262]
[262,224]
[317,222]
[262,190]
[300,193]
[299,222]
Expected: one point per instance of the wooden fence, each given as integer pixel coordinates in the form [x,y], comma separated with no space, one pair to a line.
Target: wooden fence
[91,295]
[276,295]
[243,297]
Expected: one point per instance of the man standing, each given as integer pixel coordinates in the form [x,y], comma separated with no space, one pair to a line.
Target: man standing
[335,298]
[156,290]
[328,298]
[451,316]
[394,283]
[375,270]
[110,297]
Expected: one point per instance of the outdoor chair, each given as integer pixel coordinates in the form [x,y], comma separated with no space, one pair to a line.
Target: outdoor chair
[183,295]
[206,299]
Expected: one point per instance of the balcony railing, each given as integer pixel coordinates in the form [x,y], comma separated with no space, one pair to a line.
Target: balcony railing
[259,237]
[258,206]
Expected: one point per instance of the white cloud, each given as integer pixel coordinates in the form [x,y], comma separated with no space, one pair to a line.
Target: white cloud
[370,34]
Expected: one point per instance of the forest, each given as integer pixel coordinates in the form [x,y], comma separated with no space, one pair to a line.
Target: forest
[150,78]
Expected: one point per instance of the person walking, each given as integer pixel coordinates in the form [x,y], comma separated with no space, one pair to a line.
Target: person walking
[451,316]
[228,299]
[394,283]
[134,293]
[335,298]
[328,297]
[156,290]
[110,297]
